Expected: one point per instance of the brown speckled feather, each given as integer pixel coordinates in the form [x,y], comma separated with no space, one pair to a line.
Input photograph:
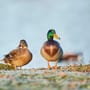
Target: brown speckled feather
[18,57]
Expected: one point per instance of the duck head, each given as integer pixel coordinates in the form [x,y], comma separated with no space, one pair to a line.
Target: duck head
[52,34]
[23,44]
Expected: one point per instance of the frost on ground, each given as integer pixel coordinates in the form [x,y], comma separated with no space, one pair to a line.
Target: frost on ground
[44,79]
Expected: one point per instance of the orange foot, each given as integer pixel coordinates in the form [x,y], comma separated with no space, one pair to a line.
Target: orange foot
[49,67]
[55,67]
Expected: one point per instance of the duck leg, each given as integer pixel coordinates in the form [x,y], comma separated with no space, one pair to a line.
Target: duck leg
[55,67]
[49,65]
[20,68]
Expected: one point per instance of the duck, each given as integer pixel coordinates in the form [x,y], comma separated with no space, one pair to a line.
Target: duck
[19,56]
[51,50]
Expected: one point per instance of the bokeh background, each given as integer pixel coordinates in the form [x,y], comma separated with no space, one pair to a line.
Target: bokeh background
[31,19]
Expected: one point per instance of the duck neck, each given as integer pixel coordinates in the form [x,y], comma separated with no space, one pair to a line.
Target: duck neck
[50,39]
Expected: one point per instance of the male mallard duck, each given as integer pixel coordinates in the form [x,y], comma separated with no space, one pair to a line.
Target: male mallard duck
[19,56]
[51,49]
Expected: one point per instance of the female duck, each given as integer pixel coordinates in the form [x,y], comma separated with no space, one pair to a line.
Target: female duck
[19,56]
[51,49]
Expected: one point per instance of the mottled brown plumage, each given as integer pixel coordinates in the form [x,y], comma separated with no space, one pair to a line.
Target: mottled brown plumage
[19,56]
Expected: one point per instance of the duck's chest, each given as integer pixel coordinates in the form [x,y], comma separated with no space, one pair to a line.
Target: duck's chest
[51,48]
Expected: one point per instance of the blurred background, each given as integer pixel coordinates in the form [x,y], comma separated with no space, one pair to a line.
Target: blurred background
[31,19]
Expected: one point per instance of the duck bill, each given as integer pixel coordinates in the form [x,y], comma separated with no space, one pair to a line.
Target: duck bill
[56,36]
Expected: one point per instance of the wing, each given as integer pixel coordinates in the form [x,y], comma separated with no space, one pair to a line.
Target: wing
[12,54]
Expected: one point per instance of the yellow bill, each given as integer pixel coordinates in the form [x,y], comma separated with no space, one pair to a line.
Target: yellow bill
[56,36]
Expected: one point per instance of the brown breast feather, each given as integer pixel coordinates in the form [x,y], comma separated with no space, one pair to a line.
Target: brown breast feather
[51,50]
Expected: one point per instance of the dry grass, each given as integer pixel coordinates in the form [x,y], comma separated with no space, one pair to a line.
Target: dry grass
[71,68]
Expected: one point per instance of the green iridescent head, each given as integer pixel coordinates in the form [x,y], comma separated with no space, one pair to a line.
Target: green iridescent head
[52,34]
